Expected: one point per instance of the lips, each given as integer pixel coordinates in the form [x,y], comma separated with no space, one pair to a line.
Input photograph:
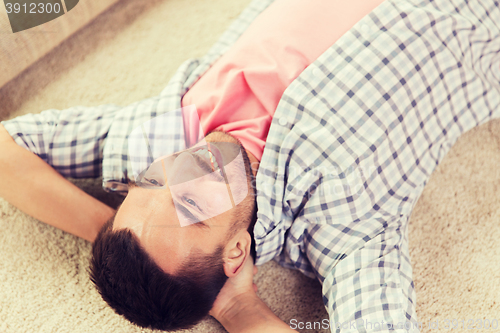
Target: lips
[206,155]
[217,154]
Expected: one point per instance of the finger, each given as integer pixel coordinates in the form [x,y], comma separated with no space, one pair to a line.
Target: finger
[255,270]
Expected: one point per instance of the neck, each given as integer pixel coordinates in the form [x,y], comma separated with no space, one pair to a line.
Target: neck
[254,162]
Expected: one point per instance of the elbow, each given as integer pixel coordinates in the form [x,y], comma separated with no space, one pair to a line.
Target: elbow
[5,137]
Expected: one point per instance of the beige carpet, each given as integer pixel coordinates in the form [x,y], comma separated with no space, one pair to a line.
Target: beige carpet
[129,53]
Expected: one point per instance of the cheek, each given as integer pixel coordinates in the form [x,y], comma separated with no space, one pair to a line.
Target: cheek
[238,182]
[217,198]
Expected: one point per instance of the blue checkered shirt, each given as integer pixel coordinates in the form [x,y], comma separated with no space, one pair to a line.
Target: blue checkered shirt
[352,144]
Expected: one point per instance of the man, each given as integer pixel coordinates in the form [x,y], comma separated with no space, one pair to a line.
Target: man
[351,145]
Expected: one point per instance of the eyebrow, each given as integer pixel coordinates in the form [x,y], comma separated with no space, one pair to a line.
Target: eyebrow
[186,212]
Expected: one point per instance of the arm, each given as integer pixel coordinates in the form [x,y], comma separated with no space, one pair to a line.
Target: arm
[369,289]
[36,188]
[239,309]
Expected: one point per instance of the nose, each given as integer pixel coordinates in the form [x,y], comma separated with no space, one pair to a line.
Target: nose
[184,169]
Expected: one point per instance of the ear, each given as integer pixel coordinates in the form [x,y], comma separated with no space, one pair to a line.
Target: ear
[236,252]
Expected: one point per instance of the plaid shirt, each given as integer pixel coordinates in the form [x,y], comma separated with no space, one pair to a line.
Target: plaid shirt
[352,144]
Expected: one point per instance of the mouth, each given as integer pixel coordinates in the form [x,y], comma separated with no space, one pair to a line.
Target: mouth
[212,157]
[217,156]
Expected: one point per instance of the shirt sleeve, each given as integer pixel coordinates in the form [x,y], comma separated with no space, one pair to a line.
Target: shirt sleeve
[71,140]
[368,287]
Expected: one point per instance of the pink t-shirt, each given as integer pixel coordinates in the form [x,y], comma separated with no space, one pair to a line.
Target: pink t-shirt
[241,91]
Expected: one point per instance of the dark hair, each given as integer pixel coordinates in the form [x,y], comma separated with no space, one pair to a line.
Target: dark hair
[137,288]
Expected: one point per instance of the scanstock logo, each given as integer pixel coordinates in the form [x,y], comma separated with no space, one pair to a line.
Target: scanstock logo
[28,14]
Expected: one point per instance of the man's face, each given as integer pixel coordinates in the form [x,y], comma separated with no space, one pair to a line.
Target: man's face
[181,207]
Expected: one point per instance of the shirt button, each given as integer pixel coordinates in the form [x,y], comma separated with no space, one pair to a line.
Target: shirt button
[282,121]
[317,72]
[366,28]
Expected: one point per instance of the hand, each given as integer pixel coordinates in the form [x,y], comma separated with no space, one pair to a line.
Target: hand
[240,310]
[235,290]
